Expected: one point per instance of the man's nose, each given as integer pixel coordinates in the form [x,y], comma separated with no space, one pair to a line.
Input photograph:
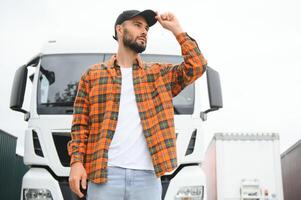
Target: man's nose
[144,32]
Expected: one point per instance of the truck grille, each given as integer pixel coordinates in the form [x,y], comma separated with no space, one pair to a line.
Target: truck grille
[60,140]
[67,193]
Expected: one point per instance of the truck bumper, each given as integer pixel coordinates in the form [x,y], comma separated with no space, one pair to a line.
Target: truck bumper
[41,178]
[187,176]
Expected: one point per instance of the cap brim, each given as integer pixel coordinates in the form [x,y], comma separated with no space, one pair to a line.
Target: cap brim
[149,15]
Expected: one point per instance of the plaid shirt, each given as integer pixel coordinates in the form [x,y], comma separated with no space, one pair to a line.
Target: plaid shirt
[96,108]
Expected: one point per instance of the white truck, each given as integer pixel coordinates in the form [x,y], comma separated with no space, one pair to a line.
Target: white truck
[56,72]
[243,167]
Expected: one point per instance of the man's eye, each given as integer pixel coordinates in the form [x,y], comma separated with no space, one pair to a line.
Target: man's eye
[138,25]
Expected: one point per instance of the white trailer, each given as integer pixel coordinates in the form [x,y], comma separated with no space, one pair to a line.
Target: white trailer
[243,167]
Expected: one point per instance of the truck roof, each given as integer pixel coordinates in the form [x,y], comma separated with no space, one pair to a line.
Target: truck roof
[66,46]
[94,45]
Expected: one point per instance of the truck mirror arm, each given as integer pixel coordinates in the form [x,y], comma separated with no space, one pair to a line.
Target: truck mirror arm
[26,113]
[203,114]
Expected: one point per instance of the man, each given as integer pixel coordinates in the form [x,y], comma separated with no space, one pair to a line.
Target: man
[132,101]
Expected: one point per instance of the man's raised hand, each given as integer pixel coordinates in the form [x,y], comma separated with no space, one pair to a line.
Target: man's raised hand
[169,21]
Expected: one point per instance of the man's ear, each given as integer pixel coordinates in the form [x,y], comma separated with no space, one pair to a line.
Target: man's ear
[119,30]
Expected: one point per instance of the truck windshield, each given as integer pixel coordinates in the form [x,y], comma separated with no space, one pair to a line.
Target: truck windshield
[60,73]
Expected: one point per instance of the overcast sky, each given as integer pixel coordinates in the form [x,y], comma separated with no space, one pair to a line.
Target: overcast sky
[255,45]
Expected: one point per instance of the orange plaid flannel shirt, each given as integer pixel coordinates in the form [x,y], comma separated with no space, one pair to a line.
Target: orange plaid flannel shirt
[96,108]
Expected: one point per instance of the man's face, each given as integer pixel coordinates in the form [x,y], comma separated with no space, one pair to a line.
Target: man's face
[135,34]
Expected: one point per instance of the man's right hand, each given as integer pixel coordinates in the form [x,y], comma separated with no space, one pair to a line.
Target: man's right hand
[77,176]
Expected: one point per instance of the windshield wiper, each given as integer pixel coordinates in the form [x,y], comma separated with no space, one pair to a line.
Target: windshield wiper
[58,104]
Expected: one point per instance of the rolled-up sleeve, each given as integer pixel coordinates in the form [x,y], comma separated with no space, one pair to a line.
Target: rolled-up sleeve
[193,66]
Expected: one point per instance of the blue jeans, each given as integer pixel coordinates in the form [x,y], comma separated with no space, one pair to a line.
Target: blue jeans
[126,184]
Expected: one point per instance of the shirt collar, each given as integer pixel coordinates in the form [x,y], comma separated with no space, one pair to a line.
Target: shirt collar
[112,62]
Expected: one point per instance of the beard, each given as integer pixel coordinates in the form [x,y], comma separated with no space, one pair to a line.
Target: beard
[131,43]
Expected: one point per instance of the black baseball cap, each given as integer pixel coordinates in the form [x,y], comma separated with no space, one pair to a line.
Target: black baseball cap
[149,16]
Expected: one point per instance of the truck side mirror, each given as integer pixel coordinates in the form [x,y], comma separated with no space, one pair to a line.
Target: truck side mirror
[214,92]
[18,89]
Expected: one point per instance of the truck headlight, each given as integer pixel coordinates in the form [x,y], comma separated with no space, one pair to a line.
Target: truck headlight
[190,193]
[37,194]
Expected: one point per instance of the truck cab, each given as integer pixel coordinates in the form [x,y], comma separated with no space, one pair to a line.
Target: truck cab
[54,81]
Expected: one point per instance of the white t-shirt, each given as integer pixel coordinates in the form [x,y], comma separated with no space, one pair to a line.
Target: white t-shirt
[128,148]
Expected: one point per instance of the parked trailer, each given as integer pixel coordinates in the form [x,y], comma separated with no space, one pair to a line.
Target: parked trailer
[291,172]
[243,167]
